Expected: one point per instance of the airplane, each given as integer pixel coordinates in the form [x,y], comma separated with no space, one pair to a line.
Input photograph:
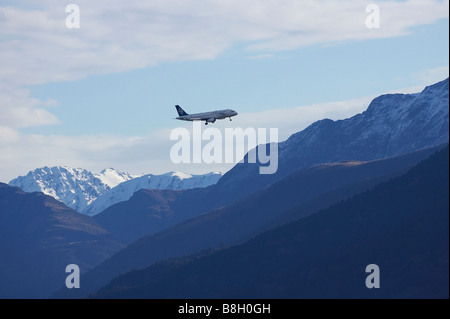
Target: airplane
[208,117]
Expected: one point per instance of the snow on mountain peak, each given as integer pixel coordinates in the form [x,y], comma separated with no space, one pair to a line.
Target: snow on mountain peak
[180,175]
[78,188]
[392,125]
[112,177]
[172,180]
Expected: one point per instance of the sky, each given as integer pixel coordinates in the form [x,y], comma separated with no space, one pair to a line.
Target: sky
[103,95]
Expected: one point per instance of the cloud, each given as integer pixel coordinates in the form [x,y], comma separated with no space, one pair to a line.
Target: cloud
[36,47]
[433,75]
[424,78]
[18,109]
[148,154]
[292,120]
[151,154]
[24,152]
[117,35]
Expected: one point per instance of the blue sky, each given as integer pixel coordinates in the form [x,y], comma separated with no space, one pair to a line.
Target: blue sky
[90,97]
[140,101]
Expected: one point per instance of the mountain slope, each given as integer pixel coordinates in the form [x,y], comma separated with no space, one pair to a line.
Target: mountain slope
[75,187]
[172,181]
[401,225]
[242,219]
[392,125]
[111,177]
[90,193]
[39,237]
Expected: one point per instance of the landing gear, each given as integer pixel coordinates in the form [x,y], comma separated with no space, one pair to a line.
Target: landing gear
[206,123]
[230,119]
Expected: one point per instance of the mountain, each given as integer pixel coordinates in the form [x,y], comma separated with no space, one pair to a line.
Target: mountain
[75,187]
[242,219]
[149,211]
[407,121]
[172,180]
[111,177]
[392,125]
[79,188]
[400,225]
[39,237]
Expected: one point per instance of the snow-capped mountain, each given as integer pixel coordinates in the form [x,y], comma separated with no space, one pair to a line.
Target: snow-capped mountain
[75,187]
[172,180]
[393,124]
[111,177]
[78,188]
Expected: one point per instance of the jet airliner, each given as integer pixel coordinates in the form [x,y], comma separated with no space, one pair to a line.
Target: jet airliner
[208,117]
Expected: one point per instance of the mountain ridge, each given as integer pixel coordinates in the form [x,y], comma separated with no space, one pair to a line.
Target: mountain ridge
[243,219]
[39,237]
[401,225]
[393,124]
[168,181]
[80,189]
[362,137]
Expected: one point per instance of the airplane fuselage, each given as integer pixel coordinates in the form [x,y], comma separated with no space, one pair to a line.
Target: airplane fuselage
[208,117]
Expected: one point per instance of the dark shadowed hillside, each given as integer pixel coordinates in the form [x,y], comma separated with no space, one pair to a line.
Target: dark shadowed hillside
[401,225]
[151,210]
[246,218]
[393,124]
[39,237]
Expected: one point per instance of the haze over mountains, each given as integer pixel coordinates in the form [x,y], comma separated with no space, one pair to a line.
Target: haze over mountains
[90,193]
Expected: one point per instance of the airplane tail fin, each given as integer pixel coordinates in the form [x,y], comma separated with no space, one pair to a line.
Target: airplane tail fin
[180,111]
